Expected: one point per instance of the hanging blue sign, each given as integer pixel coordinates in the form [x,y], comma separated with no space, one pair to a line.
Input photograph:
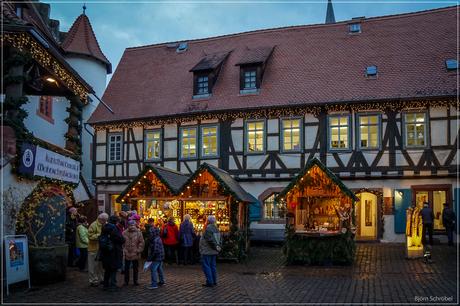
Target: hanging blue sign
[38,161]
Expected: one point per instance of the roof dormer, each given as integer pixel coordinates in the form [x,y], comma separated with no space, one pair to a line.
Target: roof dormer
[205,73]
[252,66]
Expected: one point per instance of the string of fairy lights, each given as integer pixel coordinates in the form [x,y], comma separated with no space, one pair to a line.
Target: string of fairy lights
[25,43]
[288,111]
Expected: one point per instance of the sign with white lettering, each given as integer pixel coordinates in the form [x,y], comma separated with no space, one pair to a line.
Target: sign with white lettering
[38,161]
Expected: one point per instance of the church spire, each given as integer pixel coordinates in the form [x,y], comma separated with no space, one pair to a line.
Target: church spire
[330,18]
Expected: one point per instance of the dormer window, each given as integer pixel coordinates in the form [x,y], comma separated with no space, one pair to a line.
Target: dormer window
[354,28]
[205,74]
[202,85]
[250,79]
[252,65]
[451,64]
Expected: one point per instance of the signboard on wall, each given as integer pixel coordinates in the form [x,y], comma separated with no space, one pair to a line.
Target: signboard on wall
[36,160]
[101,202]
[16,259]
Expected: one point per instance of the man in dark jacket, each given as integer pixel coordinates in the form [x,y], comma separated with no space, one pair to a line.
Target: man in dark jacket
[448,220]
[156,256]
[427,220]
[111,253]
[70,234]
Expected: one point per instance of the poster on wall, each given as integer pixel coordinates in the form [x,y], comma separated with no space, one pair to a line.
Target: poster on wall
[38,161]
[16,259]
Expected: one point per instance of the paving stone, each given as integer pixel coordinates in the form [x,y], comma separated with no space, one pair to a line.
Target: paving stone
[380,274]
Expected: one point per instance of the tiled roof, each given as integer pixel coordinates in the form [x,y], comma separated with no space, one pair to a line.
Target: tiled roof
[210,61]
[81,40]
[255,56]
[310,65]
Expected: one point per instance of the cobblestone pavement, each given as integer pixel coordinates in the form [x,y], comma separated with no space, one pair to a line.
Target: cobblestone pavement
[380,274]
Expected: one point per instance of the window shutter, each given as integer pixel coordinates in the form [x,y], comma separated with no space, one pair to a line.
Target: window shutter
[402,200]
[456,204]
[241,78]
[255,211]
[258,76]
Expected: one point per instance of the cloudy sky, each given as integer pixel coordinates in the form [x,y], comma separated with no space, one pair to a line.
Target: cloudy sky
[122,24]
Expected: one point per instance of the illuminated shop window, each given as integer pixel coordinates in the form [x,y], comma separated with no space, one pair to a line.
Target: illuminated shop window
[209,143]
[255,136]
[188,142]
[291,137]
[153,145]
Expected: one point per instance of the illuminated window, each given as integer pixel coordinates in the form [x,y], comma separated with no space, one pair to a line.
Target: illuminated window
[415,129]
[115,145]
[291,135]
[116,207]
[153,145]
[45,108]
[272,209]
[369,131]
[209,142]
[188,142]
[255,136]
[339,132]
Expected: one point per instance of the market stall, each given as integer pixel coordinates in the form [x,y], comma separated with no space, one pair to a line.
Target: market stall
[160,193]
[153,194]
[320,220]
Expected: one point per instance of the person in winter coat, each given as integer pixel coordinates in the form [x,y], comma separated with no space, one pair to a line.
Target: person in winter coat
[210,246]
[170,237]
[112,256]
[82,242]
[71,234]
[186,237]
[427,220]
[448,220]
[132,249]
[95,274]
[156,256]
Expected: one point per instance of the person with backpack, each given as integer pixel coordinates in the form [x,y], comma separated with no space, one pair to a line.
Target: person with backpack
[448,220]
[170,237]
[156,257]
[132,249]
[186,236]
[210,246]
[95,274]
[81,242]
[111,252]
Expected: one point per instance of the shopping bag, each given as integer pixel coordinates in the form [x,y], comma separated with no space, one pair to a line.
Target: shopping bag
[147,265]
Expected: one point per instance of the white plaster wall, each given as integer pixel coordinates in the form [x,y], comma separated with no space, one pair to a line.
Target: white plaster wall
[43,129]
[290,160]
[438,112]
[438,132]
[170,131]
[170,149]
[272,126]
[95,74]
[255,161]
[273,143]
[310,136]
[237,138]
[454,126]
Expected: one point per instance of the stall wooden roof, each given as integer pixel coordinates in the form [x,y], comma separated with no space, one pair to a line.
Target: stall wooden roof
[225,179]
[310,164]
[174,180]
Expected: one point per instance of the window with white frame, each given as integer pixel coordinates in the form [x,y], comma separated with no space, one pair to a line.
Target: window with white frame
[255,136]
[272,209]
[291,135]
[369,131]
[152,145]
[115,145]
[415,129]
[209,142]
[339,132]
[188,142]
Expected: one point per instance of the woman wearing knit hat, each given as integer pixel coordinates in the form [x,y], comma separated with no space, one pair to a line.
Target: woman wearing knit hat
[132,249]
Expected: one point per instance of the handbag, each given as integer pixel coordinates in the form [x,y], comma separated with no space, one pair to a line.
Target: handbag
[147,265]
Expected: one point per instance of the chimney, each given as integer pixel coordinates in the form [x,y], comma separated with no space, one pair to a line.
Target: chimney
[330,18]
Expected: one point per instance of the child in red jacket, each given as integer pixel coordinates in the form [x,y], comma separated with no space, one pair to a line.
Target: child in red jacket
[170,237]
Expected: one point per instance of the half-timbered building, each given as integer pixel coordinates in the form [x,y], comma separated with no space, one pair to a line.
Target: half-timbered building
[374,99]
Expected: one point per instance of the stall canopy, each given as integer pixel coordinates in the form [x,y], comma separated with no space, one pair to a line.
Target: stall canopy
[305,175]
[226,182]
[154,181]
